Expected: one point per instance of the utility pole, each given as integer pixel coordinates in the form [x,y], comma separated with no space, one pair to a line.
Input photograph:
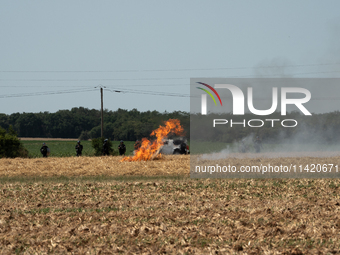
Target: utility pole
[101,113]
[101,109]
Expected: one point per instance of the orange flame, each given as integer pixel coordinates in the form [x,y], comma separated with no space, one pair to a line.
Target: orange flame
[150,148]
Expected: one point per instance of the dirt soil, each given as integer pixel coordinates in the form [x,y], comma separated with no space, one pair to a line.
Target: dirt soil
[190,216]
[176,217]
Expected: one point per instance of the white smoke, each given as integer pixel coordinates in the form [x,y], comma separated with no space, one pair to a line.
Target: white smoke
[307,142]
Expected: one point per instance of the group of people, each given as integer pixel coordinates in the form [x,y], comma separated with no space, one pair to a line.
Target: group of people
[121,148]
[45,151]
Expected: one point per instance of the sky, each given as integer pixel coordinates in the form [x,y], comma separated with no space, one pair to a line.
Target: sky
[56,55]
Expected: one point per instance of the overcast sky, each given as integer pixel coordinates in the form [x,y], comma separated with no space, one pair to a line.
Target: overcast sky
[151,49]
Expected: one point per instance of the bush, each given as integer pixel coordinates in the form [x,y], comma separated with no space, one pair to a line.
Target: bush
[10,146]
[97,144]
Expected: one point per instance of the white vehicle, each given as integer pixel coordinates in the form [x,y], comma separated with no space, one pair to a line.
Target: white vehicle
[175,146]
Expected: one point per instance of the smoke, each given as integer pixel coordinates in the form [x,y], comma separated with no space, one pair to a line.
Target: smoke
[307,138]
[168,149]
[277,67]
[332,54]
[323,62]
[319,139]
[241,146]
[216,155]
[306,141]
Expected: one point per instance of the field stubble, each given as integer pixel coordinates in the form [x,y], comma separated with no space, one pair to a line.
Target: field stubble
[204,216]
[92,166]
[166,165]
[191,216]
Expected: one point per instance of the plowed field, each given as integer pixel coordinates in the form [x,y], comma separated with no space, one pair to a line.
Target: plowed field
[206,216]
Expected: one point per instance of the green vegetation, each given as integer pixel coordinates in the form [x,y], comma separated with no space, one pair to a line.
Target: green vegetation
[57,148]
[97,144]
[67,148]
[209,147]
[10,146]
[84,123]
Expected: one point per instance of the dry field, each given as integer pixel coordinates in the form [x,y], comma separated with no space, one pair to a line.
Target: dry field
[188,216]
[164,166]
[91,166]
[287,165]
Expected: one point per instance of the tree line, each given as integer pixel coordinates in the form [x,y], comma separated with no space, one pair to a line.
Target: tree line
[130,125]
[84,123]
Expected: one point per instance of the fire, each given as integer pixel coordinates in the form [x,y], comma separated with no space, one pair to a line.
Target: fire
[149,148]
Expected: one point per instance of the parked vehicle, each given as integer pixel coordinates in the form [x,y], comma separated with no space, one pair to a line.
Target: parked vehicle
[175,146]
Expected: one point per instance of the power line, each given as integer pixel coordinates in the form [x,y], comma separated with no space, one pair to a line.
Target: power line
[145,92]
[99,79]
[165,70]
[44,93]
[122,90]
[39,86]
[168,78]
[128,85]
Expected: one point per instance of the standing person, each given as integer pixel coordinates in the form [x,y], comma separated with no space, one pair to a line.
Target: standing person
[105,147]
[137,145]
[79,149]
[44,150]
[122,148]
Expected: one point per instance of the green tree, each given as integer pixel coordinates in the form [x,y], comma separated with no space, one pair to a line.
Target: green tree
[85,135]
[10,146]
[97,144]
[29,125]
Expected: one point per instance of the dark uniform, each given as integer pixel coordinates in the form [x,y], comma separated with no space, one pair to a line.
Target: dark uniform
[105,147]
[44,150]
[122,148]
[183,148]
[137,145]
[79,149]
